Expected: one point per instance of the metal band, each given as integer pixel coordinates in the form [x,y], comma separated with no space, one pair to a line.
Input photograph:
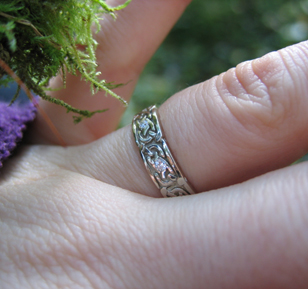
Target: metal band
[156,155]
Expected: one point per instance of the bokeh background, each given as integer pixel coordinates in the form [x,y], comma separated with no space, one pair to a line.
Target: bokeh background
[213,36]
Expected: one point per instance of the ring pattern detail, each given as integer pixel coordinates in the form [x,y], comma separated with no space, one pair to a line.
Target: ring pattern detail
[156,155]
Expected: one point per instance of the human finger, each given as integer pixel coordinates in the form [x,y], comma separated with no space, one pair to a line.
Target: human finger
[125,46]
[250,235]
[240,124]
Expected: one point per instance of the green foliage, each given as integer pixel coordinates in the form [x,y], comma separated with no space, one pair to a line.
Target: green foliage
[40,38]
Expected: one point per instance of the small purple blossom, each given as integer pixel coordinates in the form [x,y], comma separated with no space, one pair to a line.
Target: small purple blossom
[13,120]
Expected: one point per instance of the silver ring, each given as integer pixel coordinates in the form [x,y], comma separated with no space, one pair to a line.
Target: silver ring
[156,156]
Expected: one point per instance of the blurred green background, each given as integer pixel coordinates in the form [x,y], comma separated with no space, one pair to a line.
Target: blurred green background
[213,36]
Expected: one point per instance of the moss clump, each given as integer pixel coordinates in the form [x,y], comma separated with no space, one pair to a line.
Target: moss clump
[39,39]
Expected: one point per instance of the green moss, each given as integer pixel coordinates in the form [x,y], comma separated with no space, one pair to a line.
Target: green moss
[39,39]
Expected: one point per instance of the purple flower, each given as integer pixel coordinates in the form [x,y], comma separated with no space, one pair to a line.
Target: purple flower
[13,120]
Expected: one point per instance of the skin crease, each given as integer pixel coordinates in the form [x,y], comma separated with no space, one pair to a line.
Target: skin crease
[88,216]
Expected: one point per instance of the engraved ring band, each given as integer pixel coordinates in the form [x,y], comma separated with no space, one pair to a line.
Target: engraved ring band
[156,155]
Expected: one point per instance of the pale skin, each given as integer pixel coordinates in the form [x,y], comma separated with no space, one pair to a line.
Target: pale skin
[88,216]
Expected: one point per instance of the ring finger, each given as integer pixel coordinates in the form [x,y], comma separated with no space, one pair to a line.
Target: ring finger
[240,124]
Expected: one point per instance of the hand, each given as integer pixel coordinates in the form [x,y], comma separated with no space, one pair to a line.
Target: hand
[89,217]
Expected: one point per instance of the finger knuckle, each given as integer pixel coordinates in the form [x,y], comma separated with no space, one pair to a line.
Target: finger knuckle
[258,92]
